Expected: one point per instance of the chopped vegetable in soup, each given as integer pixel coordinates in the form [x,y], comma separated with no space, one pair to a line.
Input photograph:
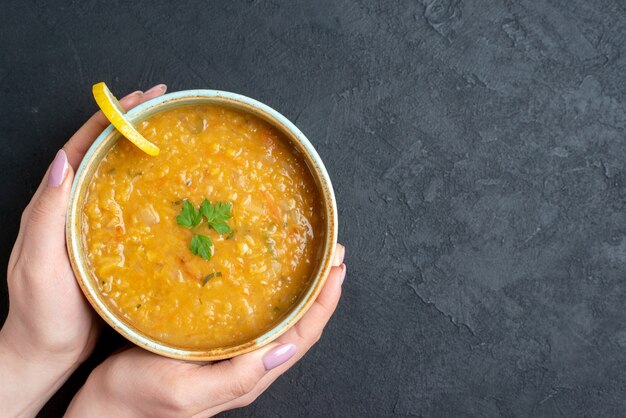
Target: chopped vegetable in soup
[211,242]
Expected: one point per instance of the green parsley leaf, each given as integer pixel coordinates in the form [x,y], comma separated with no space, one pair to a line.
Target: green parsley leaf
[207,209]
[189,216]
[201,245]
[216,215]
[220,227]
[218,212]
[222,211]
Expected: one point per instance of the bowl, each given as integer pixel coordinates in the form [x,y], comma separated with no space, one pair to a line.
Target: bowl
[105,141]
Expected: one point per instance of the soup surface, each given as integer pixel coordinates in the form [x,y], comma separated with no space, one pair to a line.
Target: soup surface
[140,255]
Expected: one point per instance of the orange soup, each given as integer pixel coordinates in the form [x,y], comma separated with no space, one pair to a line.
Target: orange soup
[141,255]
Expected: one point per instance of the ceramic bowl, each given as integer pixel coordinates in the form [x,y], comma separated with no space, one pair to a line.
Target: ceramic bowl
[76,248]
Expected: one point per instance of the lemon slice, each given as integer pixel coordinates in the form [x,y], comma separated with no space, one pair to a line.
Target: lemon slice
[113,111]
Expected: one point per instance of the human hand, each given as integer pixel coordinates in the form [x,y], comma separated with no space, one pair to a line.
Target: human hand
[50,328]
[136,383]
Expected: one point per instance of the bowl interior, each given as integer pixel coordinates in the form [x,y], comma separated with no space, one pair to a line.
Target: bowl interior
[301,147]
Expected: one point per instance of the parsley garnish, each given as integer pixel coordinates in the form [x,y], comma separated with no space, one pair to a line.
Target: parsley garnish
[216,217]
[201,245]
[189,216]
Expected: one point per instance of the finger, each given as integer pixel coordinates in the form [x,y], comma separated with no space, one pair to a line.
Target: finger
[303,335]
[231,379]
[309,328]
[339,255]
[80,142]
[17,247]
[44,227]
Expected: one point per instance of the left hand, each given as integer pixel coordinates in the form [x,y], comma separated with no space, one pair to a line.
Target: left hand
[50,328]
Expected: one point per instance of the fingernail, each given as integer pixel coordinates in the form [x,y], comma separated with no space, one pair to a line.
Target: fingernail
[340,253]
[278,356]
[343,272]
[161,87]
[58,169]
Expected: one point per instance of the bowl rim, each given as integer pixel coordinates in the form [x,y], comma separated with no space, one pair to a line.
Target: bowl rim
[318,171]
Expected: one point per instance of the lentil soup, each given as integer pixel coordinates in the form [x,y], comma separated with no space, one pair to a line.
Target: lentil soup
[141,257]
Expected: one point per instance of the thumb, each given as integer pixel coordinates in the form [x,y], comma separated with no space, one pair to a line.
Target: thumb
[45,225]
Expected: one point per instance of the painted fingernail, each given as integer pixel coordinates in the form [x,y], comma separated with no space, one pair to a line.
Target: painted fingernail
[343,272]
[340,253]
[58,169]
[159,87]
[278,356]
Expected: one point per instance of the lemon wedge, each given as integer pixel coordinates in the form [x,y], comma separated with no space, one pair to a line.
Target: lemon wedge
[113,111]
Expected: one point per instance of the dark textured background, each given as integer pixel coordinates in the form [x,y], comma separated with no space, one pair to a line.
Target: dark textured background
[477,150]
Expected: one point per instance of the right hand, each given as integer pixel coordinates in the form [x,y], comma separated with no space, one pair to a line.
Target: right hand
[136,383]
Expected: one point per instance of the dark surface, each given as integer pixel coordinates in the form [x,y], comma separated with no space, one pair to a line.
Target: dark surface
[477,150]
